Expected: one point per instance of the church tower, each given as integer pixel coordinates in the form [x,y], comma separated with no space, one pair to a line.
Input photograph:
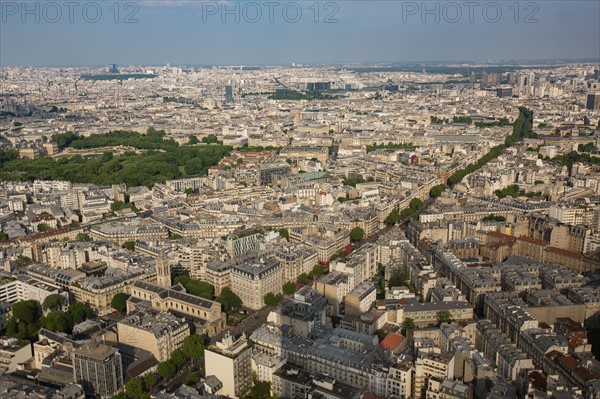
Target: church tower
[163,271]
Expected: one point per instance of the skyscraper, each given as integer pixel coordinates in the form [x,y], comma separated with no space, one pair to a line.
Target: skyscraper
[228,94]
[98,369]
[593,101]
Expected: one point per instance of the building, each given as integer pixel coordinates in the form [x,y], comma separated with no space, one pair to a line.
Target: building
[592,101]
[270,173]
[98,369]
[242,241]
[160,333]
[13,352]
[23,288]
[205,314]
[228,93]
[253,279]
[231,362]
[360,299]
[504,92]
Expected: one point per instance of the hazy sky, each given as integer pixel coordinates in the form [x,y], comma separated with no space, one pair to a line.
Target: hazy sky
[193,32]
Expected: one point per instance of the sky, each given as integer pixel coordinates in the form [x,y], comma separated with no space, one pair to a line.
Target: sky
[279,32]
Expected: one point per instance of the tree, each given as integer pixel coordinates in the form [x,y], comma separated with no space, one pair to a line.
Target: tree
[210,139]
[81,236]
[196,287]
[26,311]
[58,321]
[178,359]
[130,245]
[133,388]
[416,204]
[229,299]
[119,302]
[191,379]
[149,381]
[408,324]
[444,316]
[284,233]
[193,167]
[53,302]
[304,279]
[23,261]
[80,312]
[393,218]
[436,191]
[193,347]
[42,227]
[272,299]
[316,271]
[25,322]
[399,278]
[193,140]
[289,288]
[166,369]
[357,234]
[3,236]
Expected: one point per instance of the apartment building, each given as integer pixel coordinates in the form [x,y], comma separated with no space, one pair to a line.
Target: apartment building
[230,360]
[98,369]
[252,279]
[158,332]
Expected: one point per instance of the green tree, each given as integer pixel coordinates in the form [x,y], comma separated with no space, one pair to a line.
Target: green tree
[42,227]
[408,324]
[58,321]
[436,191]
[289,288]
[229,299]
[399,278]
[178,359]
[210,139]
[191,379]
[193,140]
[304,279]
[83,237]
[496,218]
[119,302]
[130,245]
[133,388]
[53,302]
[166,369]
[3,236]
[196,287]
[193,167]
[25,322]
[284,233]
[193,347]
[26,311]
[316,271]
[23,261]
[149,381]
[444,316]
[272,299]
[80,312]
[393,218]
[357,234]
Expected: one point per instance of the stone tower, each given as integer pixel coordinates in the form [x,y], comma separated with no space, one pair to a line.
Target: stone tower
[163,271]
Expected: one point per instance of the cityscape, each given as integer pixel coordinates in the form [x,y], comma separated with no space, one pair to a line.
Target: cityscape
[297,230]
